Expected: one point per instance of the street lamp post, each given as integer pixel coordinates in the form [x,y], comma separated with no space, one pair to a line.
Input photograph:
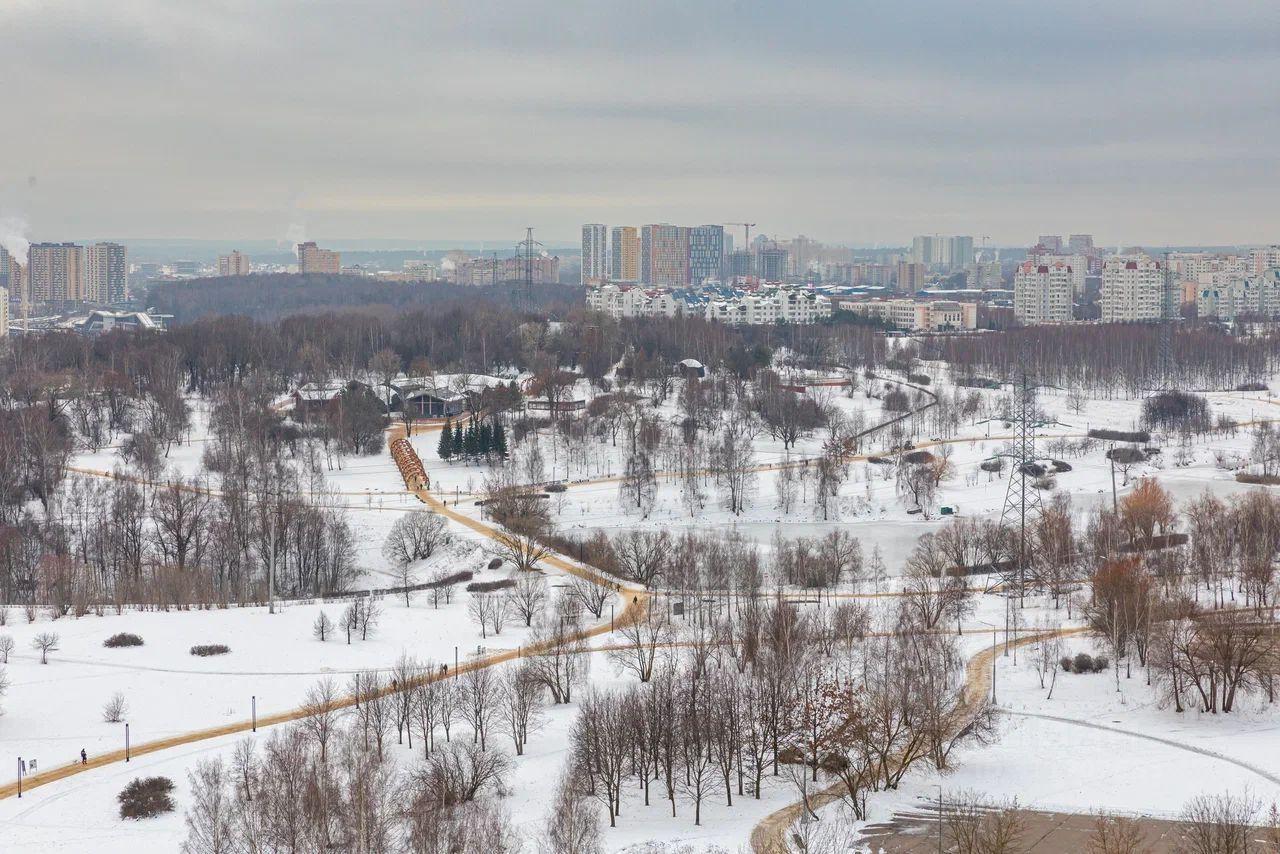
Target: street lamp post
[253,703]
[127,756]
[995,643]
[939,785]
[19,776]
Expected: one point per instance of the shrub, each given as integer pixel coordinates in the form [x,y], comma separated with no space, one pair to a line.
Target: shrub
[144,798]
[556,487]
[1126,456]
[1261,479]
[1120,435]
[1066,664]
[207,649]
[1044,483]
[122,639]
[496,563]
[919,379]
[917,457]
[994,464]
[490,586]
[1100,663]
[1252,387]
[896,401]
[1083,662]
[450,580]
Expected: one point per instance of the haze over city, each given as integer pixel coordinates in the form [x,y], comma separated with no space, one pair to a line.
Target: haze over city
[1152,121]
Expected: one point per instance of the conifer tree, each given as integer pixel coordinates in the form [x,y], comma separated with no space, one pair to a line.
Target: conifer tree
[459,442]
[470,442]
[445,448]
[499,441]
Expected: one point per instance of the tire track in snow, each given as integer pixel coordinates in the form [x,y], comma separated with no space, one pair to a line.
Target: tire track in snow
[1190,748]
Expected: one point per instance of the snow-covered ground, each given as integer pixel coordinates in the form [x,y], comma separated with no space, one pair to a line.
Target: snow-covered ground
[1092,748]
[54,710]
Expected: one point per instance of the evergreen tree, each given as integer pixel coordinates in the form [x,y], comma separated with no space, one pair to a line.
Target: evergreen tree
[471,442]
[445,448]
[459,442]
[485,439]
[499,441]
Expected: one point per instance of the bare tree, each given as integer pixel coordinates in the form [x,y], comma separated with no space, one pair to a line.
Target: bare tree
[320,712]
[322,627]
[522,707]
[1113,834]
[482,697]
[641,641]
[570,828]
[115,709]
[1218,824]
[415,536]
[210,824]
[45,643]
[591,596]
[6,646]
[639,487]
[528,598]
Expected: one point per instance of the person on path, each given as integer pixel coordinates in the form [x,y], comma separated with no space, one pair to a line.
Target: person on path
[84,757]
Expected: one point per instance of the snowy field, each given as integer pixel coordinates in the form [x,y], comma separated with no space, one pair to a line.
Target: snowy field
[1057,754]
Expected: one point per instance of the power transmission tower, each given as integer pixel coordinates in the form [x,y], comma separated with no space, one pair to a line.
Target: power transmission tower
[1022,503]
[529,251]
[1168,315]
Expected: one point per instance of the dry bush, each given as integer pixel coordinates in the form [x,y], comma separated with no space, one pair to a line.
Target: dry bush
[145,798]
[122,639]
[207,649]
[115,709]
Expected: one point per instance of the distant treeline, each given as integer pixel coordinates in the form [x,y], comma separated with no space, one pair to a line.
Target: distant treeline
[272,296]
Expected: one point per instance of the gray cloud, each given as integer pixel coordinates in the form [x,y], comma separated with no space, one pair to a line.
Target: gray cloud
[1145,122]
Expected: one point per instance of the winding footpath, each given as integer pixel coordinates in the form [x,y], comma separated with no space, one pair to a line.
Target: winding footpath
[769,836]
[632,612]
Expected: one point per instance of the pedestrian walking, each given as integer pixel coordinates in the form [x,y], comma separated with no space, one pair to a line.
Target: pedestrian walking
[84,757]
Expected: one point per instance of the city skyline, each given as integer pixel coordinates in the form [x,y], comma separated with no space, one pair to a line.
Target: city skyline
[1149,127]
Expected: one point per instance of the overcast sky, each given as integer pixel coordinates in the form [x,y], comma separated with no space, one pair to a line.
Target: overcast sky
[1141,122]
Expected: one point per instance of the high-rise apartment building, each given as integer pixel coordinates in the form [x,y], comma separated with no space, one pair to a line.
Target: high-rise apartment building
[1042,293]
[595,250]
[10,273]
[56,272]
[106,273]
[4,313]
[706,253]
[313,259]
[911,276]
[959,252]
[1051,242]
[742,262]
[1263,258]
[234,264]
[771,264]
[624,257]
[922,250]
[1081,244]
[664,255]
[1132,289]
[951,253]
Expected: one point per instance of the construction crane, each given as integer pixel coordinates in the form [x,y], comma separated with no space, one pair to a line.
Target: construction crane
[746,237]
